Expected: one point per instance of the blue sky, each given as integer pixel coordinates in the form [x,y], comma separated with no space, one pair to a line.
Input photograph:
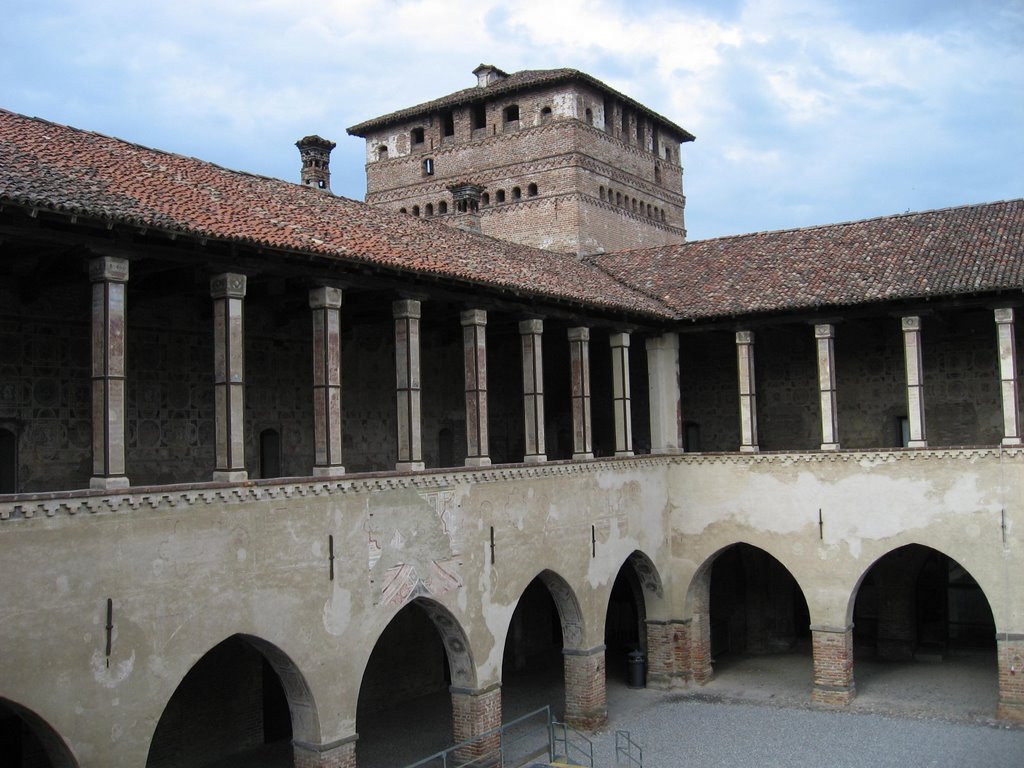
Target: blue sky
[806,112]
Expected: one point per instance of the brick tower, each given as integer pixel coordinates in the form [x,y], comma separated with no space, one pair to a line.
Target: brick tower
[315,152]
[561,161]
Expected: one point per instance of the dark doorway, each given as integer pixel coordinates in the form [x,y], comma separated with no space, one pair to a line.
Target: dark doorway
[270,453]
[230,706]
[532,671]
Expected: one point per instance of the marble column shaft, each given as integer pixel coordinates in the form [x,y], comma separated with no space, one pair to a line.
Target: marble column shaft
[474,348]
[915,380]
[579,371]
[664,393]
[824,335]
[108,276]
[1008,385]
[748,392]
[407,367]
[325,303]
[619,343]
[228,291]
[531,332]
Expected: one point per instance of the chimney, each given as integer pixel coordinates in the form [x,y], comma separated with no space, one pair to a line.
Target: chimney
[467,206]
[316,161]
[487,74]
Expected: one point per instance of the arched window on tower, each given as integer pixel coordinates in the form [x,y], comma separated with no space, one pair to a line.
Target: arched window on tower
[429,210]
[382,152]
[499,196]
[442,208]
[657,174]
[415,210]
[531,191]
[516,193]
[545,114]
[428,166]
[588,116]
[602,194]
[486,199]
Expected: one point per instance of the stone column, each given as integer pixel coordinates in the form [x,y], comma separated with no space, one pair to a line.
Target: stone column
[833,665]
[338,754]
[1010,651]
[227,291]
[668,653]
[619,343]
[915,380]
[108,276]
[666,409]
[579,369]
[533,390]
[1008,376]
[407,366]
[475,713]
[326,303]
[586,695]
[748,394]
[824,335]
[474,353]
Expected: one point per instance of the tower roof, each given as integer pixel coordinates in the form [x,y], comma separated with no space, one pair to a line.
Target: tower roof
[517,81]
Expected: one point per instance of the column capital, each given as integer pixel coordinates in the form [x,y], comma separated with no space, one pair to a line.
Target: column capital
[579,333]
[108,269]
[1004,315]
[527,327]
[824,331]
[325,297]
[744,337]
[666,341]
[473,317]
[910,322]
[228,285]
[406,308]
[620,339]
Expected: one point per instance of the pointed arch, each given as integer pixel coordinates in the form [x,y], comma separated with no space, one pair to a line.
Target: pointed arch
[26,731]
[568,607]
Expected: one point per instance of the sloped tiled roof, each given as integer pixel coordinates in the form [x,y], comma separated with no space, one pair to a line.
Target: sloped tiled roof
[517,81]
[955,251]
[48,166]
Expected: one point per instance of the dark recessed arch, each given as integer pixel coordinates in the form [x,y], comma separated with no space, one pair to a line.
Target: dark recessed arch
[27,739]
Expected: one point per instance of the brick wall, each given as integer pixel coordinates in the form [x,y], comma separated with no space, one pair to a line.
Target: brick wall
[475,713]
[1011,677]
[340,756]
[668,654]
[586,703]
[833,667]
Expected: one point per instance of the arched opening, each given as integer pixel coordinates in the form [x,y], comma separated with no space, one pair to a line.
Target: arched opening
[588,116]
[485,199]
[420,654]
[517,193]
[232,708]
[546,620]
[27,741]
[499,196]
[8,461]
[382,152]
[531,190]
[545,114]
[922,622]
[442,208]
[625,629]
[415,210]
[270,453]
[429,210]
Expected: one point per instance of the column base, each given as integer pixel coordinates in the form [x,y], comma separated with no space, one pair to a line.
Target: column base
[917,444]
[335,470]
[830,446]
[826,696]
[750,449]
[410,466]
[108,483]
[1012,441]
[666,451]
[340,754]
[586,695]
[582,456]
[623,454]
[230,476]
[535,458]
[478,461]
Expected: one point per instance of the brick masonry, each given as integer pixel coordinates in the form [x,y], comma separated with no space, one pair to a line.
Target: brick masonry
[339,755]
[586,702]
[1011,677]
[475,713]
[833,666]
[668,654]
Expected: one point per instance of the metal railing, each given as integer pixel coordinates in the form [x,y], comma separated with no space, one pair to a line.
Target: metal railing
[513,744]
[627,752]
[577,749]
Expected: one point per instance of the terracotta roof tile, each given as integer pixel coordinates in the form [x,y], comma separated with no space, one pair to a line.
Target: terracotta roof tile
[971,249]
[50,166]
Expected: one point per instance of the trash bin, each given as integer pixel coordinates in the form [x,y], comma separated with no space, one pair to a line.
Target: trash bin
[636,672]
